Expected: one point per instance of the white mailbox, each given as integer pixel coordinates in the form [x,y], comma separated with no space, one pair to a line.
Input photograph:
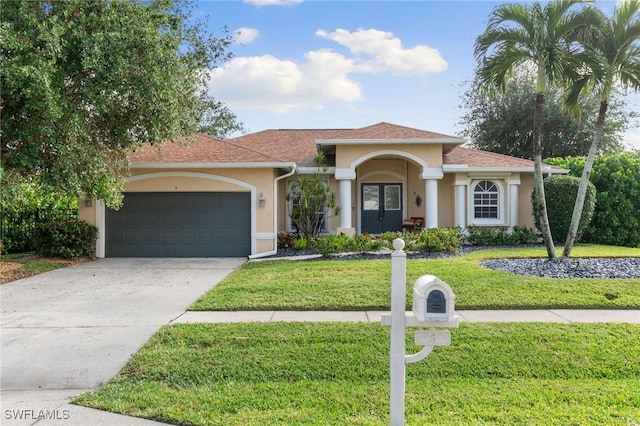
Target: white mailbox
[433,300]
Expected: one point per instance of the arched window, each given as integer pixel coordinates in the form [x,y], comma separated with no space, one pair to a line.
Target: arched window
[485,200]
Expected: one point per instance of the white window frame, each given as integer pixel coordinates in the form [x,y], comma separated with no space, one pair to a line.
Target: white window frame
[501,208]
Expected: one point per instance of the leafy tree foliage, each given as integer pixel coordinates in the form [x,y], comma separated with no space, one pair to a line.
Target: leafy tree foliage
[561,193]
[503,122]
[312,202]
[616,219]
[84,81]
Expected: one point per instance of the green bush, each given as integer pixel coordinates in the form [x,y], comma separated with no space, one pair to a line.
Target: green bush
[616,219]
[439,239]
[523,235]
[69,239]
[301,243]
[332,244]
[496,236]
[410,239]
[429,240]
[560,193]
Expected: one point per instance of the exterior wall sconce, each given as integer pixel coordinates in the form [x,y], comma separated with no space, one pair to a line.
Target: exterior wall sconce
[87,202]
[261,199]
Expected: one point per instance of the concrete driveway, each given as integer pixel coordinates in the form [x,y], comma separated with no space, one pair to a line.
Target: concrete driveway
[70,330]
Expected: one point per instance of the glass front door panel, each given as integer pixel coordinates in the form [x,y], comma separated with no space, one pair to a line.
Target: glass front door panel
[392,197]
[370,197]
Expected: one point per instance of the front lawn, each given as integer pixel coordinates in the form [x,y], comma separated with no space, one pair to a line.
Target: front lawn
[365,284]
[338,374]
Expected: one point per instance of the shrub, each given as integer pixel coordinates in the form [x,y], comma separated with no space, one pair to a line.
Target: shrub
[439,239]
[616,219]
[286,240]
[332,244]
[69,239]
[485,236]
[495,236]
[523,235]
[301,243]
[364,243]
[410,239]
[430,239]
[560,193]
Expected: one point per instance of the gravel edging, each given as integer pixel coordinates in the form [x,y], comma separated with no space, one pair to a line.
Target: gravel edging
[601,267]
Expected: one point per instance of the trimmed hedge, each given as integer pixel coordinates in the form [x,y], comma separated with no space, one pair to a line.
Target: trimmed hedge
[560,193]
[616,219]
[497,236]
[69,239]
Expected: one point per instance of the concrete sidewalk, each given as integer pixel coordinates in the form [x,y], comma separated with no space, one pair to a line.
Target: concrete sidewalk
[565,316]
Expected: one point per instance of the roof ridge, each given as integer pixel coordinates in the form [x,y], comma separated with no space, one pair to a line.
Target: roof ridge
[229,141]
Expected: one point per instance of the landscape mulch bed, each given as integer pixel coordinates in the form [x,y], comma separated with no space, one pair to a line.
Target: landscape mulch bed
[12,270]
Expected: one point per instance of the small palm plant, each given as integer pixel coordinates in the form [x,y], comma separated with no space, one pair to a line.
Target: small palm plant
[312,202]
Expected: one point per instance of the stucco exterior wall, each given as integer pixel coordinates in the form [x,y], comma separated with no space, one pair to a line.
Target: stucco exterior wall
[348,154]
[525,212]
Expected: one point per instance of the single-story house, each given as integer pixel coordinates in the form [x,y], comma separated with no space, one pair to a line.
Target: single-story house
[227,198]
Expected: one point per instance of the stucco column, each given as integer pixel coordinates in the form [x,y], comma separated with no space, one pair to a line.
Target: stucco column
[513,203]
[461,204]
[431,194]
[345,208]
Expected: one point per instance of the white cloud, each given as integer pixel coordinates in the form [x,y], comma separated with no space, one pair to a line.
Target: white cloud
[260,3]
[245,35]
[280,86]
[381,51]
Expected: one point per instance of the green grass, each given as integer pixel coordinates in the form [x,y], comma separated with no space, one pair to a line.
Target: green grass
[365,285]
[338,374]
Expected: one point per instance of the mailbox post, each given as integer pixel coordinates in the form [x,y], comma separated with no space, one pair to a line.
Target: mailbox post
[433,307]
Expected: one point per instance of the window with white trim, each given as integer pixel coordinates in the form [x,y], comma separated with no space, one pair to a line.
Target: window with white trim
[486,200]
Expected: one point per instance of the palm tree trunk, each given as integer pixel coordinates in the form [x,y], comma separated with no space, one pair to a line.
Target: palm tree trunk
[584,182]
[541,202]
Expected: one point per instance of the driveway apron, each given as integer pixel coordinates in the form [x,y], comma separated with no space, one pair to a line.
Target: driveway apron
[70,330]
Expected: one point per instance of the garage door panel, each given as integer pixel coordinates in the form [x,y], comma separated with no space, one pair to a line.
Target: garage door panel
[211,224]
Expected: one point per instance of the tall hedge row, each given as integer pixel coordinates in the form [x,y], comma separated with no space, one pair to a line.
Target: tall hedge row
[560,193]
[616,219]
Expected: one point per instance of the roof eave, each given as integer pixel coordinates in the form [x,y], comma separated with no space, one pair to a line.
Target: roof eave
[218,165]
[464,168]
[391,141]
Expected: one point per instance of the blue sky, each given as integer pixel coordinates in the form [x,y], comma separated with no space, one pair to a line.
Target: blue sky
[349,64]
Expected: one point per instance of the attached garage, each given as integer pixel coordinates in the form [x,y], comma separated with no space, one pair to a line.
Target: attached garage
[180,224]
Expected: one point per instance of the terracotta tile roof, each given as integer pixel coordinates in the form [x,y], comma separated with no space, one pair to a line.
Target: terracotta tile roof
[385,130]
[477,158]
[201,149]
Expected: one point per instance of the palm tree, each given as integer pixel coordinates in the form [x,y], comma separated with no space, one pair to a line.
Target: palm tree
[533,35]
[611,58]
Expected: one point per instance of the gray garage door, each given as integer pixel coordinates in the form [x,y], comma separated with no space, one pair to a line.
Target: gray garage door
[180,224]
